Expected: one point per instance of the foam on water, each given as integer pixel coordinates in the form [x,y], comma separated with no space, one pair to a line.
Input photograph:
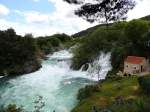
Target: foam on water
[55,83]
[98,69]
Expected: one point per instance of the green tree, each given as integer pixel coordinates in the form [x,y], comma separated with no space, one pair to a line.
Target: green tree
[103,10]
[18,54]
[144,83]
[135,29]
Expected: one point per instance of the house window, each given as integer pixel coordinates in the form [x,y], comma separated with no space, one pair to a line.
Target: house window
[134,67]
[127,66]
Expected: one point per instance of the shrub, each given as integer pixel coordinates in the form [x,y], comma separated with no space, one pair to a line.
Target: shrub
[54,41]
[114,78]
[16,52]
[62,37]
[144,83]
[87,91]
[11,108]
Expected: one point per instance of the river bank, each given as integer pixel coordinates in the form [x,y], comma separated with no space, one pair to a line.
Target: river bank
[115,95]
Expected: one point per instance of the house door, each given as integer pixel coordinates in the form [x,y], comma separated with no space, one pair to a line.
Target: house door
[141,68]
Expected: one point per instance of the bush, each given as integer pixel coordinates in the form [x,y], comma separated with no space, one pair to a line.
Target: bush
[11,108]
[54,41]
[62,37]
[129,106]
[16,52]
[87,91]
[47,44]
[44,45]
[114,77]
[144,83]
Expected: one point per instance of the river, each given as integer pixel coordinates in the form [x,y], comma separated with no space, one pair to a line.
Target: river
[53,87]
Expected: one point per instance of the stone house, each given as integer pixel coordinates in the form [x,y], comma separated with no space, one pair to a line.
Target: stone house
[135,65]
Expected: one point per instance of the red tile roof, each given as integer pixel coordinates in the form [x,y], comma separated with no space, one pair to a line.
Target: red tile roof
[134,59]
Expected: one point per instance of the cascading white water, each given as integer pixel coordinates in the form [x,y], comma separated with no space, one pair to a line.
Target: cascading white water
[98,68]
[55,84]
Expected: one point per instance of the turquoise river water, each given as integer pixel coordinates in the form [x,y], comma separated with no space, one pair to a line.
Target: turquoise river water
[53,87]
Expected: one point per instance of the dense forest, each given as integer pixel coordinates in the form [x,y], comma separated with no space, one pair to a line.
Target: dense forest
[49,44]
[23,54]
[91,29]
[18,54]
[120,39]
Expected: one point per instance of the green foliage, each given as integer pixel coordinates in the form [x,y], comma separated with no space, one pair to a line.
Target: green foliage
[11,108]
[48,44]
[103,11]
[116,95]
[144,83]
[62,37]
[100,40]
[87,91]
[141,105]
[44,45]
[17,53]
[113,77]
[135,29]
[120,39]
[55,42]
[146,18]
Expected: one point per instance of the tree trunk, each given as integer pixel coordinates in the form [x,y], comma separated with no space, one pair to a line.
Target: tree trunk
[106,20]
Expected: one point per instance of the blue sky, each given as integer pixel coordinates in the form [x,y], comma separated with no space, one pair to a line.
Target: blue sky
[46,17]
[22,5]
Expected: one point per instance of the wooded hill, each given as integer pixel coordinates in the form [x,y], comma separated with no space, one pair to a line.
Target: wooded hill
[91,29]
[121,39]
[23,54]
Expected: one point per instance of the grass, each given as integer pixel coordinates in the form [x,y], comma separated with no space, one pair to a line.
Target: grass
[127,88]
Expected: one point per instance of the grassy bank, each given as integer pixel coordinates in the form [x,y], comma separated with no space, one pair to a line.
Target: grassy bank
[118,95]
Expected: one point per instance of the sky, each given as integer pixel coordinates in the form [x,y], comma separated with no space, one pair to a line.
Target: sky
[47,17]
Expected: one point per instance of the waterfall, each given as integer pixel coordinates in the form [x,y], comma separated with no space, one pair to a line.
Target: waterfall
[99,68]
[54,82]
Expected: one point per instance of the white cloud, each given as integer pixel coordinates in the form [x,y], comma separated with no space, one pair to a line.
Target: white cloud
[62,20]
[64,17]
[4,10]
[141,9]
[34,16]
[22,29]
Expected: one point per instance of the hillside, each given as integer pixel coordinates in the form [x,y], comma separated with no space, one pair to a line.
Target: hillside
[91,29]
[146,18]
[85,32]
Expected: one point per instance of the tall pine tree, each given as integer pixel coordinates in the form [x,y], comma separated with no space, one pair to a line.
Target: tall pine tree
[103,11]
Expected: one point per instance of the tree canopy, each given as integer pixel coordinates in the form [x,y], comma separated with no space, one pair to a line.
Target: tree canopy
[18,54]
[120,39]
[103,11]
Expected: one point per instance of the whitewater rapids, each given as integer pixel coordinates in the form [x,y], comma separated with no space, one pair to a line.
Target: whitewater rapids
[53,87]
